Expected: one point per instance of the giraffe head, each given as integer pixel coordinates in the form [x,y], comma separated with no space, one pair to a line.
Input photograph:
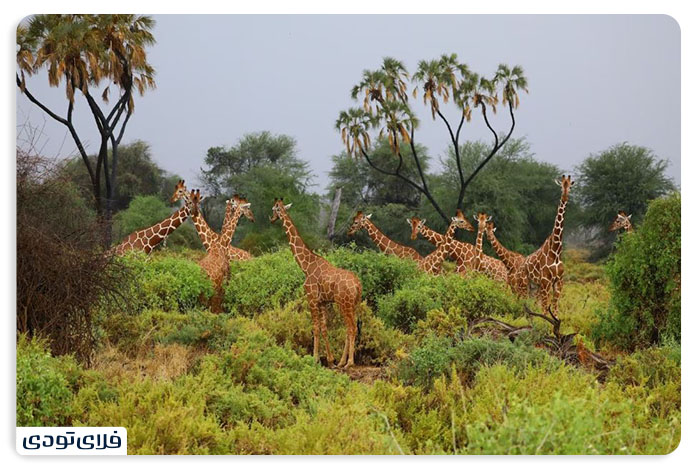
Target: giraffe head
[482,219]
[565,183]
[279,209]
[417,225]
[360,221]
[490,227]
[243,204]
[179,192]
[195,201]
[460,222]
[622,221]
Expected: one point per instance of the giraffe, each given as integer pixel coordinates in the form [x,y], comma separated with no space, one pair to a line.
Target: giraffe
[210,238]
[432,263]
[215,263]
[324,284]
[622,221]
[462,252]
[235,208]
[147,239]
[512,260]
[491,267]
[545,266]
[384,243]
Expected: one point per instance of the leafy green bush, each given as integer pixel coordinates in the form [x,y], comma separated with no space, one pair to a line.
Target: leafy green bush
[166,282]
[474,296]
[525,410]
[44,384]
[379,274]
[645,281]
[439,355]
[262,283]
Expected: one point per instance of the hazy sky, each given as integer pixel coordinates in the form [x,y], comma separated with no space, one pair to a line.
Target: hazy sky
[593,81]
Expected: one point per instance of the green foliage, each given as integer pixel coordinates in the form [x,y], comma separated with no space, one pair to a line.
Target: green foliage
[138,175]
[474,296]
[526,410]
[514,188]
[623,177]
[164,282]
[645,281]
[262,283]
[379,274]
[437,356]
[183,380]
[44,384]
[262,166]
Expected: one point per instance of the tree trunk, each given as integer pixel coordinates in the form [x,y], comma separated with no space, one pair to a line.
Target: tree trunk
[334,213]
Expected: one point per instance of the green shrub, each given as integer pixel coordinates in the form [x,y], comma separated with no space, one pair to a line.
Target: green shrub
[379,274]
[645,281]
[474,296]
[44,384]
[262,283]
[526,410]
[439,355]
[166,282]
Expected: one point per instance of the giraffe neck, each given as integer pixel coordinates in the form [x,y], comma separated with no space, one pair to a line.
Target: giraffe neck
[148,238]
[208,237]
[556,244]
[303,255]
[504,254]
[479,241]
[433,237]
[229,226]
[379,238]
[434,260]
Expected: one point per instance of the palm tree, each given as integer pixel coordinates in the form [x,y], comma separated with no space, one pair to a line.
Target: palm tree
[83,51]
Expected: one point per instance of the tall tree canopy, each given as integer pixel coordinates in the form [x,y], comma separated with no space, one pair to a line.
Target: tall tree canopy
[386,110]
[83,53]
[623,177]
[261,166]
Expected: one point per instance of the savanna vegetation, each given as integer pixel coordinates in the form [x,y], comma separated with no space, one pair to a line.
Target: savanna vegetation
[447,364]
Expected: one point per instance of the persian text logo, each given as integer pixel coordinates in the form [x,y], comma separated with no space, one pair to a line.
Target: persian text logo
[71,441]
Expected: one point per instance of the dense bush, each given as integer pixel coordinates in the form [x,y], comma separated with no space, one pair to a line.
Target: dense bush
[61,271]
[166,282]
[645,281]
[44,384]
[263,283]
[474,296]
[437,356]
[526,410]
[379,274]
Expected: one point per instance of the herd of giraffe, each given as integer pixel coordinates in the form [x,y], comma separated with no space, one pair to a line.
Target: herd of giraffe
[326,284]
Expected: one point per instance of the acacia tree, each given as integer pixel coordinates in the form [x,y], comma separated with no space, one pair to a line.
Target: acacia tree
[386,109]
[83,52]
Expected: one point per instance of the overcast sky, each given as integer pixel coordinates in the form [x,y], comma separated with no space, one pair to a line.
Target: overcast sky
[593,81]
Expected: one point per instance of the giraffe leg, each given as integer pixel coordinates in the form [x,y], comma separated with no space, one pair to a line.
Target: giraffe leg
[325,333]
[557,288]
[314,308]
[543,295]
[348,312]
